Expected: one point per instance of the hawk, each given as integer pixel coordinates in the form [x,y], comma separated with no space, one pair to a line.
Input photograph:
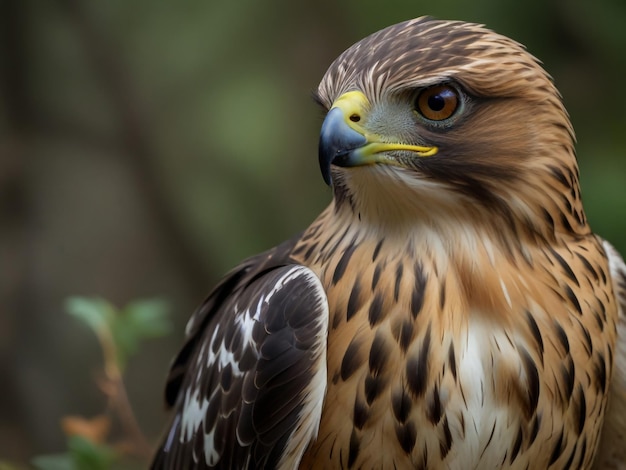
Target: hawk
[451,308]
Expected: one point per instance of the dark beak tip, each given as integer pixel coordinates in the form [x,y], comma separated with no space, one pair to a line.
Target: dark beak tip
[337,140]
[326,175]
[325,163]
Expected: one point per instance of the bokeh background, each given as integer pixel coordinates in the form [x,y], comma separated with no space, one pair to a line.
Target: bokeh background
[146,147]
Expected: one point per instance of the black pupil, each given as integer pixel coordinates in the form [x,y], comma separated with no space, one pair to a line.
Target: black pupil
[437,102]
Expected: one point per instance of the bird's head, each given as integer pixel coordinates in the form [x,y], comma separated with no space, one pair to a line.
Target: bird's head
[435,119]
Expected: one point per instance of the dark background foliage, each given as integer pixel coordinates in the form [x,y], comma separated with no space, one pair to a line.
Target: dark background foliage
[146,147]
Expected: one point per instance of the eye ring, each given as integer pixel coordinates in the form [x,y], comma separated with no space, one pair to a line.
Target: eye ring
[438,103]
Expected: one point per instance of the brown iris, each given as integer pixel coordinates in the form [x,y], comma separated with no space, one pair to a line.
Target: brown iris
[437,103]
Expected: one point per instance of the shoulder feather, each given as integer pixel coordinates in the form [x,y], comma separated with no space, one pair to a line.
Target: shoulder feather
[248,386]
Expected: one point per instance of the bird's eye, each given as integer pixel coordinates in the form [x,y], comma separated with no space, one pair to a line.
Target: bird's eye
[437,103]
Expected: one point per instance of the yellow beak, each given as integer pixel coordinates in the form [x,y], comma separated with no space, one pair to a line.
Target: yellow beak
[344,142]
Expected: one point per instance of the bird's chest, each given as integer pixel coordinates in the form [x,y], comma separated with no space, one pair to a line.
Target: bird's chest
[420,377]
[404,393]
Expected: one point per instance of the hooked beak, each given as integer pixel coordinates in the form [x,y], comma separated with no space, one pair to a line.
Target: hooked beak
[343,142]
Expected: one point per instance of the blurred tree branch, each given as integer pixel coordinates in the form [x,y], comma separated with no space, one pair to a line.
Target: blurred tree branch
[135,137]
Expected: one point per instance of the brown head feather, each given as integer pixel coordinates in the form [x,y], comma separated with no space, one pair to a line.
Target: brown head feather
[511,152]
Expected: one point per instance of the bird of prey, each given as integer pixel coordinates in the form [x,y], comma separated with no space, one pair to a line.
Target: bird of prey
[451,308]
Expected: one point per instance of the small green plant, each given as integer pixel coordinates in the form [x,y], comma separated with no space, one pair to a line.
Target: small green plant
[119,333]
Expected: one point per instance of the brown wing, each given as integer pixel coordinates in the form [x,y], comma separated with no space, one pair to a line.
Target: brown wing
[612,450]
[248,385]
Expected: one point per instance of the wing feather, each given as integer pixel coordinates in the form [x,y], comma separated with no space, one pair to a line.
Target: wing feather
[248,386]
[612,450]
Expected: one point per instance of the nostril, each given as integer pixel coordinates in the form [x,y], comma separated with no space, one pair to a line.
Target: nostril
[355,118]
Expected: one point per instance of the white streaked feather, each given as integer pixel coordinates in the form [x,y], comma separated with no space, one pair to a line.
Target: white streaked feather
[194,410]
[211,456]
[195,407]
[311,413]
[476,373]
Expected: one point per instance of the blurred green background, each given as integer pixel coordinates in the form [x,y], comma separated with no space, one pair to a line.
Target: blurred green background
[146,147]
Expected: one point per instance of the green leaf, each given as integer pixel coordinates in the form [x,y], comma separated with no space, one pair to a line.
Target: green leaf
[149,318]
[139,320]
[54,462]
[127,327]
[97,313]
[90,456]
[82,454]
